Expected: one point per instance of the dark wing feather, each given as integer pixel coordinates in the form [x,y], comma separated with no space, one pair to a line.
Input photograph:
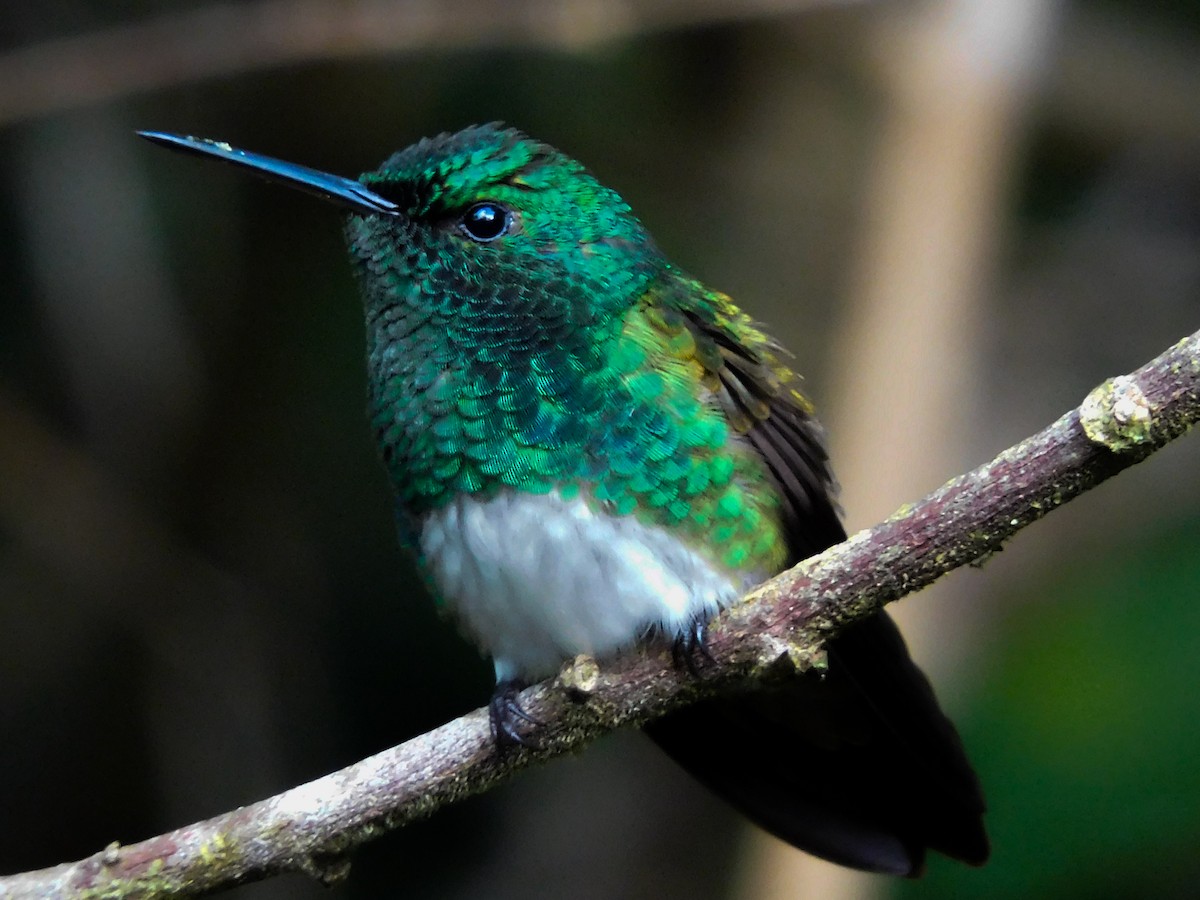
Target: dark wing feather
[859,766]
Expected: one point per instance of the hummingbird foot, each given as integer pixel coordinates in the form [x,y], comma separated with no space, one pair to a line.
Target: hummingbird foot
[691,645]
[505,713]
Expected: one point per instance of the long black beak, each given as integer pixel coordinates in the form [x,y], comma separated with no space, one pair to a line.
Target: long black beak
[342,191]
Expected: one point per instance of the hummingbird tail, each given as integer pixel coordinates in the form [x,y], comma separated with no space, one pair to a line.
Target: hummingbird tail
[860,767]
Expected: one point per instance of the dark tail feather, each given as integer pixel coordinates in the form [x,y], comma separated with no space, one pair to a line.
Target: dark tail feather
[860,767]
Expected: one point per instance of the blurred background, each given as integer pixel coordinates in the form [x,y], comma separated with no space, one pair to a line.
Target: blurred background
[961,215]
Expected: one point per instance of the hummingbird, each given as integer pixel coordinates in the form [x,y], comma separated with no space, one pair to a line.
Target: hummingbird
[589,449]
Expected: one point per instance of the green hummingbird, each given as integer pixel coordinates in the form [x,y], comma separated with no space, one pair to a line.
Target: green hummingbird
[589,447]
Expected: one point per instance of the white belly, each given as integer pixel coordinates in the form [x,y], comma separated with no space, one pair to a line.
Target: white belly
[536,579]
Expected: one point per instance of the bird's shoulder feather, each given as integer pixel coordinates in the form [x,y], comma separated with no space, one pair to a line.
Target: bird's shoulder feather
[745,372]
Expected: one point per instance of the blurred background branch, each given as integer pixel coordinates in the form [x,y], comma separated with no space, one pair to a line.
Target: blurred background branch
[1106,75]
[199,585]
[224,39]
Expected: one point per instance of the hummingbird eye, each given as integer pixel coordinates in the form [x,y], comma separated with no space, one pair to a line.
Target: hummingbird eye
[486,221]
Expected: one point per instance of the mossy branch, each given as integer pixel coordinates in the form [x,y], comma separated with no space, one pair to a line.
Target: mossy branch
[780,625]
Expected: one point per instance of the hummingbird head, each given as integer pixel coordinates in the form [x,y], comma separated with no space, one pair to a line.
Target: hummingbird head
[487,217]
[494,219]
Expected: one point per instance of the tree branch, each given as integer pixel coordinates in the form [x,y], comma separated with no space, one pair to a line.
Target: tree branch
[778,626]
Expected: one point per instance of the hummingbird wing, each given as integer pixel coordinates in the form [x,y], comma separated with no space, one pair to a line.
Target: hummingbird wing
[859,764]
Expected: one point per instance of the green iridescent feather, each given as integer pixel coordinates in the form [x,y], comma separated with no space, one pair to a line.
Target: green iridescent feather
[569,356]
